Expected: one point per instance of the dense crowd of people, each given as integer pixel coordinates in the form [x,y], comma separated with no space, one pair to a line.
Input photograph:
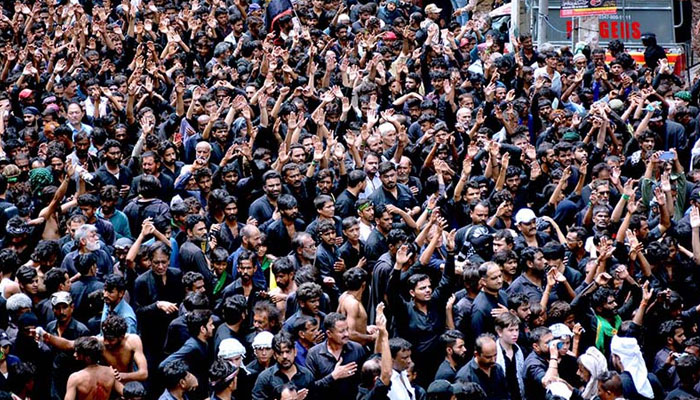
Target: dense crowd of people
[353,200]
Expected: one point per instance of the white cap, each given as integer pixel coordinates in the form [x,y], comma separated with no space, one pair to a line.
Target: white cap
[433,9]
[559,389]
[263,340]
[229,348]
[524,215]
[560,330]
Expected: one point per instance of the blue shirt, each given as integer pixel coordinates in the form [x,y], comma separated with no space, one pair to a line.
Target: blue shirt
[124,310]
[301,353]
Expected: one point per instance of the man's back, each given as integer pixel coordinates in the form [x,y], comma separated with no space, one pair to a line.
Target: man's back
[94,382]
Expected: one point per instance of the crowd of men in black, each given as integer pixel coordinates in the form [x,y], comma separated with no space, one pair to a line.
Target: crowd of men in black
[219,199]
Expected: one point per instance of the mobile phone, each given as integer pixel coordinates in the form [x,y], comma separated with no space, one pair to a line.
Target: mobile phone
[667,156]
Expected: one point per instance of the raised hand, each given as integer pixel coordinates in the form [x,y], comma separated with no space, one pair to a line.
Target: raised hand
[450,241]
[660,196]
[403,255]
[694,217]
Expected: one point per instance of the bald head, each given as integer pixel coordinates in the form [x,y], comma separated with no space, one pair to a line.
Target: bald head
[251,237]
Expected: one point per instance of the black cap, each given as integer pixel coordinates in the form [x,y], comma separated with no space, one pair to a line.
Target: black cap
[440,386]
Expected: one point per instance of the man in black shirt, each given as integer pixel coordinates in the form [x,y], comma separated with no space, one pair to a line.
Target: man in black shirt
[352,252]
[482,369]
[156,294]
[394,193]
[63,362]
[282,231]
[421,319]
[284,371]
[455,355]
[376,242]
[542,365]
[491,297]
[688,369]
[334,361]
[345,203]
[263,207]
[191,254]
[381,273]
[195,352]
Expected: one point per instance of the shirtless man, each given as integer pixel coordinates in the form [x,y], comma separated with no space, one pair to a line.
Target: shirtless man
[283,271]
[94,382]
[49,213]
[350,305]
[121,350]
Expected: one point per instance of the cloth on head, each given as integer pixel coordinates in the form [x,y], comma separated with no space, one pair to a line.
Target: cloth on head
[594,361]
[39,178]
[25,94]
[632,361]
[571,136]
[683,95]
[27,319]
[31,110]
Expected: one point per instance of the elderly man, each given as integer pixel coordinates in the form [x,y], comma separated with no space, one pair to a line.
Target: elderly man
[87,240]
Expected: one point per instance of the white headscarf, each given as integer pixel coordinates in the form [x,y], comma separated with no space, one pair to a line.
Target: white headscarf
[594,361]
[632,361]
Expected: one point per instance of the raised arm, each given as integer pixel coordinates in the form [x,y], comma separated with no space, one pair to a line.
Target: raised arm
[647,295]
[47,212]
[427,254]
[695,225]
[382,344]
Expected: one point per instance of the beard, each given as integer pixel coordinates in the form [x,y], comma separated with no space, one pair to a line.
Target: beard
[231,217]
[309,255]
[460,359]
[93,246]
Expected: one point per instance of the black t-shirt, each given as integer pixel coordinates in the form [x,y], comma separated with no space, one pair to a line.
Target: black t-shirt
[379,391]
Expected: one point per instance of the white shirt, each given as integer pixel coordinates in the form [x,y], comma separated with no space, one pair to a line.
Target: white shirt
[372,185]
[556,79]
[401,388]
[365,230]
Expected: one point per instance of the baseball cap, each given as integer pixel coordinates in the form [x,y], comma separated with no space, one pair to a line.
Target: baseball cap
[253,7]
[61,298]
[230,348]
[4,338]
[657,116]
[524,215]
[440,386]
[560,330]
[432,9]
[263,340]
